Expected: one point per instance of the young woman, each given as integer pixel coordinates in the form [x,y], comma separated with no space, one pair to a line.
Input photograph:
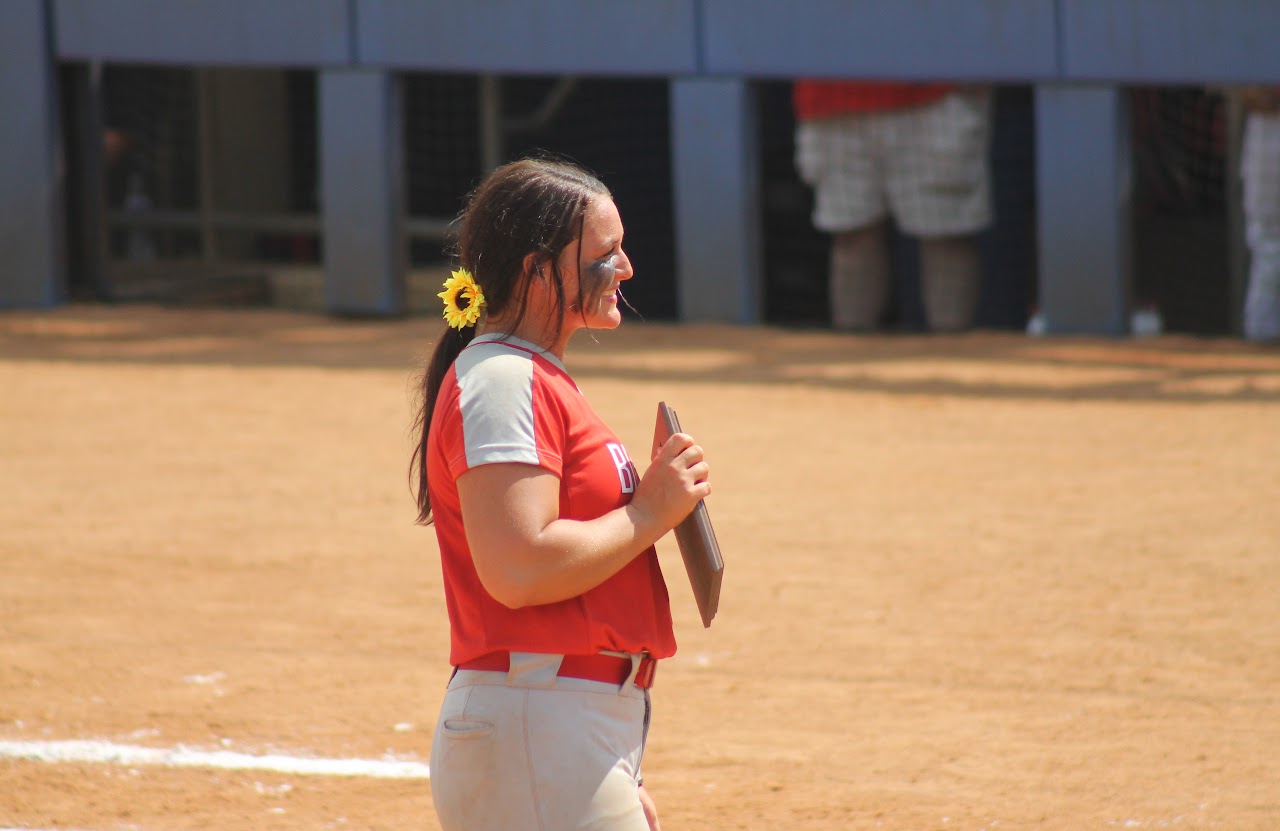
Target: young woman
[557,606]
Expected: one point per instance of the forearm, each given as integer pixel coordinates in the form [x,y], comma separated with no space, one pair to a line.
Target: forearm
[568,557]
[526,554]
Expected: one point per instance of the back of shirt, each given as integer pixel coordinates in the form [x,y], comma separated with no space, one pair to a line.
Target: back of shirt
[812,99]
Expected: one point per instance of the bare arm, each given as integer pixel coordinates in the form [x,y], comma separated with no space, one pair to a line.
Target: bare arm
[526,555]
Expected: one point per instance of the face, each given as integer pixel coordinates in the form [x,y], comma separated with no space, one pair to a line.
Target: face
[599,266]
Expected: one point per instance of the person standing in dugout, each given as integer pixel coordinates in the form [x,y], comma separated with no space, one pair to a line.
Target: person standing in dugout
[1260,172]
[558,610]
[914,153]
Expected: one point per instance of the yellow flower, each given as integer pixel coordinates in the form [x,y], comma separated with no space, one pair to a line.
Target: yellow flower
[462,299]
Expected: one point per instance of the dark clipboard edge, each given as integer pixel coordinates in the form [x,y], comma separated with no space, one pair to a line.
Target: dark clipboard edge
[697,541]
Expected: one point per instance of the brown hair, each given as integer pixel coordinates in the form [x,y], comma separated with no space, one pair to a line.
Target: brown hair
[530,206]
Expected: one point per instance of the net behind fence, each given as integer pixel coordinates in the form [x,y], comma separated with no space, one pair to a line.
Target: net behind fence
[151,120]
[1181,233]
[222,167]
[209,174]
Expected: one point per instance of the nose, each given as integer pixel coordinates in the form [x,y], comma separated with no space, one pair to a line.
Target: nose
[624,270]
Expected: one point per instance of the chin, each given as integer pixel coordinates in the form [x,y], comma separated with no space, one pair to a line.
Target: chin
[607,316]
[611,321]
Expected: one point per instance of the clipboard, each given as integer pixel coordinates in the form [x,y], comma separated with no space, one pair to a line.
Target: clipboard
[695,536]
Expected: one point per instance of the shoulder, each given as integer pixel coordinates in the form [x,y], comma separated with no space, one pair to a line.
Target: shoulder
[509,364]
[493,362]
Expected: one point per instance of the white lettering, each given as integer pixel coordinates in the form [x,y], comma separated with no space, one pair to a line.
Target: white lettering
[626,470]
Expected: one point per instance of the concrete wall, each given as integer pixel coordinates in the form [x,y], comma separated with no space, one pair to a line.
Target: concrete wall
[31,232]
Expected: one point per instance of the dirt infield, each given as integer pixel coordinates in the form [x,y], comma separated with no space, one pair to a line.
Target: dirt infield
[973,582]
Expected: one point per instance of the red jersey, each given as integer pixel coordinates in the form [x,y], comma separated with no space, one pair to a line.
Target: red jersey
[820,99]
[505,400]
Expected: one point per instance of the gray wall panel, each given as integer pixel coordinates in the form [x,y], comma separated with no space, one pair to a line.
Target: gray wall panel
[1084,208]
[362,164]
[717,200]
[31,267]
[910,39]
[603,37]
[242,32]
[1171,41]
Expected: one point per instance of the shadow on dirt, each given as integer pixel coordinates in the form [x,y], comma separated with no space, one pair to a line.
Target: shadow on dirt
[999,365]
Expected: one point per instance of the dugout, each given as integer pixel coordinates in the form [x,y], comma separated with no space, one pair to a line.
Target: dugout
[367,115]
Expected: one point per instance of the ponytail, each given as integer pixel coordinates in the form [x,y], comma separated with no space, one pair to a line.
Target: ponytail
[447,350]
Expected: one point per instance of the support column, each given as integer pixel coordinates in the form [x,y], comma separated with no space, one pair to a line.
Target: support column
[361,167]
[716,167]
[32,269]
[1084,208]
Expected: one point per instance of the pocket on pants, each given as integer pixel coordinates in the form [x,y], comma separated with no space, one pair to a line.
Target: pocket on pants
[956,134]
[462,729]
[467,773]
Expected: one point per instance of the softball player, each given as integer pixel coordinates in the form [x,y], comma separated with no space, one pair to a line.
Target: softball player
[557,607]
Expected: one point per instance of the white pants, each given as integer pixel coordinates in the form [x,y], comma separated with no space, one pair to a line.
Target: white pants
[525,750]
[1260,171]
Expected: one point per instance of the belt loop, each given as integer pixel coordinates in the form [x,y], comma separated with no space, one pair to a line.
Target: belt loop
[645,669]
[643,666]
[533,669]
[635,667]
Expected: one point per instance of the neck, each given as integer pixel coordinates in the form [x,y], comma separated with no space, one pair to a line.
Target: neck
[537,331]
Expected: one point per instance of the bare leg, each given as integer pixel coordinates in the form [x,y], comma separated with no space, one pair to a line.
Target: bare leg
[950,280]
[1262,301]
[859,278]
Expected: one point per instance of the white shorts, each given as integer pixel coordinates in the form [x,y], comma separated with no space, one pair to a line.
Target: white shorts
[1260,170]
[928,166]
[525,749]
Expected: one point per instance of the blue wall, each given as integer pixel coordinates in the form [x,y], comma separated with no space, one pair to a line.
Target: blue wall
[210,32]
[1019,41]
[1170,41]
[1006,40]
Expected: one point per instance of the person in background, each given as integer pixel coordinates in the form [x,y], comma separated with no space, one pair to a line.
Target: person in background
[915,152]
[1260,174]
[557,606]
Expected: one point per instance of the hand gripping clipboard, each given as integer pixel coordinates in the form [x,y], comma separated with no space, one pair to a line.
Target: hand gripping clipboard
[695,536]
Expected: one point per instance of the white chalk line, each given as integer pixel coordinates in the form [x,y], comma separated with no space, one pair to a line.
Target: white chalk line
[103,752]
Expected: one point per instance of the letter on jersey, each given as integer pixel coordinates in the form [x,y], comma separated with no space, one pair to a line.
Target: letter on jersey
[626,470]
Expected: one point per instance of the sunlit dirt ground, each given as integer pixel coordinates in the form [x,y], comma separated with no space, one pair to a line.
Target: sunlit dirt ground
[972,582]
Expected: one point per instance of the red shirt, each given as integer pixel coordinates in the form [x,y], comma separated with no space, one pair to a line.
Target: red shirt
[508,401]
[820,99]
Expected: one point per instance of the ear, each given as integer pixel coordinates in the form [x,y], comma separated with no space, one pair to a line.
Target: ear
[533,267]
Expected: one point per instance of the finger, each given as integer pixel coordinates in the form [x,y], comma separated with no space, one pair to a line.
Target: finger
[701,472]
[692,455]
[677,444]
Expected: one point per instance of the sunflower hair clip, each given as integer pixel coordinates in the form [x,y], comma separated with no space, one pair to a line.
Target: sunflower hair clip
[463,299]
